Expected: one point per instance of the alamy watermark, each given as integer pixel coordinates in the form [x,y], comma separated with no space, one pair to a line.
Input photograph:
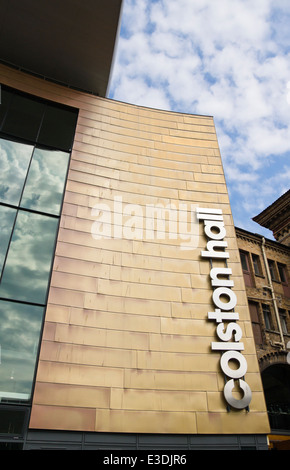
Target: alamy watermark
[161,221]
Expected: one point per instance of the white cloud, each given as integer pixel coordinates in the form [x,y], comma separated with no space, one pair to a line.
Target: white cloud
[141,93]
[226,58]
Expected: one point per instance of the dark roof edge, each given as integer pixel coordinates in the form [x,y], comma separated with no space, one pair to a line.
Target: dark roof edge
[117,37]
[47,79]
[276,204]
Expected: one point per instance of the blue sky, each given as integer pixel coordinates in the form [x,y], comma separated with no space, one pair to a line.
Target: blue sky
[226,58]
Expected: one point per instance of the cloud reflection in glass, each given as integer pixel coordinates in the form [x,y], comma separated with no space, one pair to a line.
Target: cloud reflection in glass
[14,162]
[45,182]
[19,339]
[26,272]
[7,217]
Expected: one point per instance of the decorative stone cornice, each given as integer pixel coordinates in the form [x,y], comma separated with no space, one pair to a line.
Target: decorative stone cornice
[276,217]
[257,239]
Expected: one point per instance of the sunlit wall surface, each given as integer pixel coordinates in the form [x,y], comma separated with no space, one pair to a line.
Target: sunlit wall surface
[126,343]
[35,143]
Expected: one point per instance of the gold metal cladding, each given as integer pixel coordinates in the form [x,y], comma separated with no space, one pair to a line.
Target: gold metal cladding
[126,341]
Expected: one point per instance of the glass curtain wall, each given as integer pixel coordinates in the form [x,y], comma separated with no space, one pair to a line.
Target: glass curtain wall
[35,143]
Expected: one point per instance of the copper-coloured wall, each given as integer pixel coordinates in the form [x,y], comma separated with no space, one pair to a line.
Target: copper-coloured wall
[126,341]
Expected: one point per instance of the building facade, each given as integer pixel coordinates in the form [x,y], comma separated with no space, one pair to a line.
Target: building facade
[265,265]
[124,314]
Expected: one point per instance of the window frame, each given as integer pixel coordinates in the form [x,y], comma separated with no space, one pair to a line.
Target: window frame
[257,264]
[283,320]
[273,270]
[256,323]
[247,273]
[281,267]
[267,316]
[18,209]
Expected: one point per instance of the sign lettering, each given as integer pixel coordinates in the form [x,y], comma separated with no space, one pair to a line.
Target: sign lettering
[225,300]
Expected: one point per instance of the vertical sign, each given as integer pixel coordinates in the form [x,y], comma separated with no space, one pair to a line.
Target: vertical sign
[230,333]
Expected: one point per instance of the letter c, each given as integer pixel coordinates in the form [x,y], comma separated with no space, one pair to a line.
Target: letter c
[235,403]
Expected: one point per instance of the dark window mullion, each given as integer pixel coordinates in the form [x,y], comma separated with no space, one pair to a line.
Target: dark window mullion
[8,245]
[34,146]
[48,214]
[15,301]
[8,105]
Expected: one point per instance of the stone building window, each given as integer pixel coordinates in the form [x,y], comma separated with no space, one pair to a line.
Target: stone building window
[283,320]
[257,265]
[273,270]
[282,269]
[245,261]
[267,317]
[254,309]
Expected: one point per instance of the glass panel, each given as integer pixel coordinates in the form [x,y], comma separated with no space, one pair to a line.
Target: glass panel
[24,117]
[7,217]
[244,261]
[267,316]
[27,268]
[19,339]
[272,269]
[14,162]
[283,321]
[256,263]
[58,127]
[45,182]
[282,272]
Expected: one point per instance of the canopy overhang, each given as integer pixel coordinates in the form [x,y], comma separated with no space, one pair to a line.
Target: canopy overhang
[68,41]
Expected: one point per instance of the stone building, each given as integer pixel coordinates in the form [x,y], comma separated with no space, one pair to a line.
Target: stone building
[265,265]
[276,218]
